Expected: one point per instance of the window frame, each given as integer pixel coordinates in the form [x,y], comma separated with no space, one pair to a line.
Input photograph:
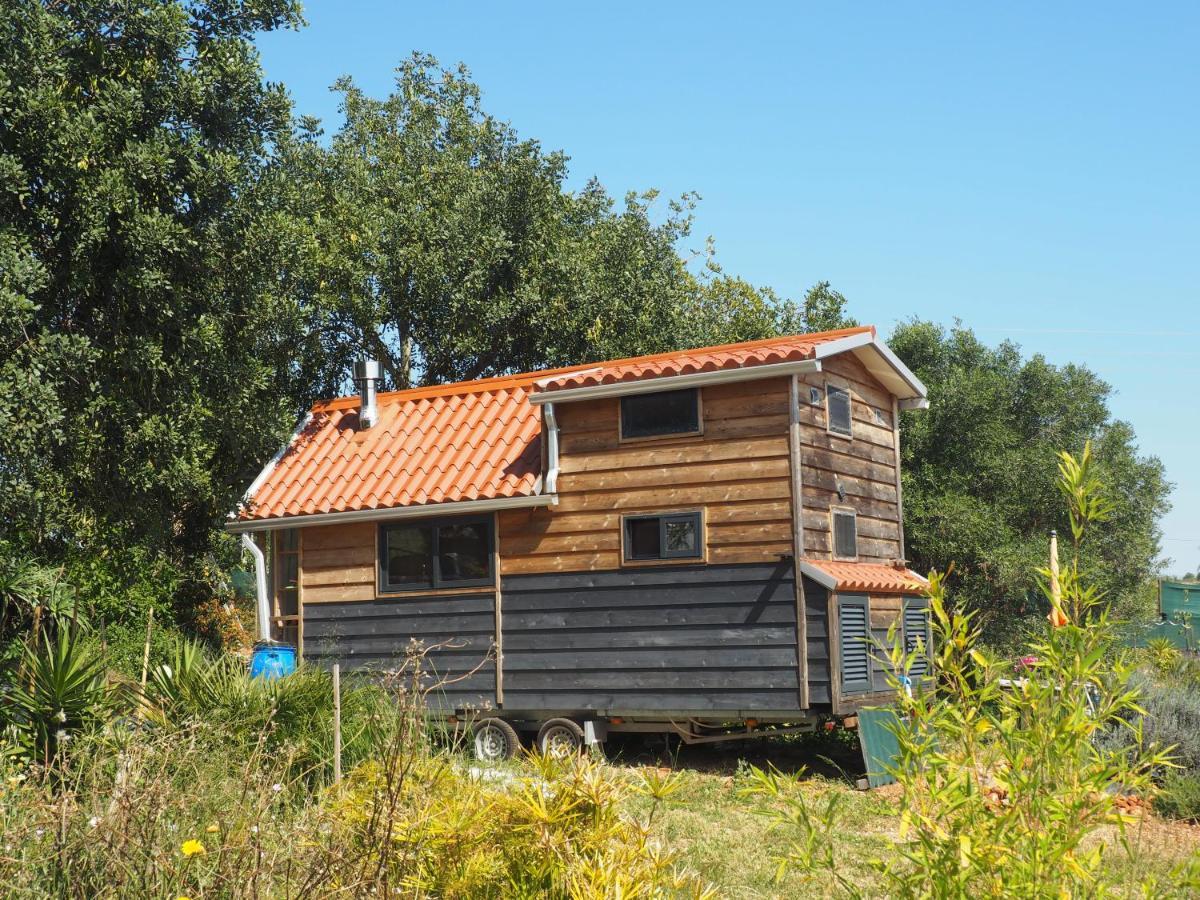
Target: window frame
[436,582]
[695,515]
[624,438]
[831,388]
[834,512]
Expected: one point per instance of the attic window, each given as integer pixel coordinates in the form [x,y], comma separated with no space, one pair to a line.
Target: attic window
[837,410]
[660,413]
[845,534]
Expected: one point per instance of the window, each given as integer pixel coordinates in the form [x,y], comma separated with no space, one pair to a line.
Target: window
[438,553]
[663,412]
[814,396]
[837,410]
[845,534]
[676,536]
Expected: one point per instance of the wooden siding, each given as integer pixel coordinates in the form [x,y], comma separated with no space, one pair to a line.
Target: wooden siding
[816,604]
[696,639]
[864,464]
[338,563]
[737,471]
[455,634]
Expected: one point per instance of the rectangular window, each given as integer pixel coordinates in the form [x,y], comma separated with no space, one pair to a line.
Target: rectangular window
[674,536]
[438,553]
[845,534]
[661,413]
[837,410]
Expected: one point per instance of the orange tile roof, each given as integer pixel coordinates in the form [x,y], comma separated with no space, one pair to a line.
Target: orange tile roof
[706,359]
[870,577]
[472,440]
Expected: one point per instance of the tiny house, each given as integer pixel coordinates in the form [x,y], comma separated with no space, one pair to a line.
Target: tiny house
[703,541]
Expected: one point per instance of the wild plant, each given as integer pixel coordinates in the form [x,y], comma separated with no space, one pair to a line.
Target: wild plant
[1004,785]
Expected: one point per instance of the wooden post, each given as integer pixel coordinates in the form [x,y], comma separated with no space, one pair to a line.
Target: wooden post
[337,723]
[794,460]
[499,623]
[146,647]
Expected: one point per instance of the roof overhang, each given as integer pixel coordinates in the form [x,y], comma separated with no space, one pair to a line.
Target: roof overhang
[675,382]
[881,362]
[916,584]
[424,510]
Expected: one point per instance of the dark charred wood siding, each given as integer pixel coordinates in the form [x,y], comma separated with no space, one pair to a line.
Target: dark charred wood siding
[452,634]
[695,638]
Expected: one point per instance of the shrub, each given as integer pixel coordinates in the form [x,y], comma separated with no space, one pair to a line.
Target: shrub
[1004,787]
[1180,796]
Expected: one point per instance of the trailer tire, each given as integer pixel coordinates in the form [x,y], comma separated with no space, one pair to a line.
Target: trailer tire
[560,737]
[494,740]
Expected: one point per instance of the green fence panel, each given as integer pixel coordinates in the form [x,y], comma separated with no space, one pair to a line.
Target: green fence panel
[879,745]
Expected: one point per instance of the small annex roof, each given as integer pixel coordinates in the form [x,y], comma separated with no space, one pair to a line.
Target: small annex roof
[856,577]
[462,446]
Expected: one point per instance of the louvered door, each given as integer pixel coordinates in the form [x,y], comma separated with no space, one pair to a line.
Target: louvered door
[916,633]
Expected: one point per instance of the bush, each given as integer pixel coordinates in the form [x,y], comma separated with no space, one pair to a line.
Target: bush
[1172,717]
[1005,785]
[1179,797]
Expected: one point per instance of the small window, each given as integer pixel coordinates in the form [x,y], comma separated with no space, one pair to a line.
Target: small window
[837,410]
[676,536]
[845,534]
[435,554]
[660,413]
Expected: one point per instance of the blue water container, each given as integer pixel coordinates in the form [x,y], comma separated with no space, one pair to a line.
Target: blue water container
[272,661]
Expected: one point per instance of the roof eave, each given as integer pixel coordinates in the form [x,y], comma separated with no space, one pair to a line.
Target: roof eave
[424,510]
[675,382]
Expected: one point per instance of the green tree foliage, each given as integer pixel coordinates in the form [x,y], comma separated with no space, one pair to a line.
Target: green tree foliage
[143,347]
[978,474]
[439,241]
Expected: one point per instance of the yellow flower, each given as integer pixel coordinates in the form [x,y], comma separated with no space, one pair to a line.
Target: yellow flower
[213,828]
[183,897]
[192,848]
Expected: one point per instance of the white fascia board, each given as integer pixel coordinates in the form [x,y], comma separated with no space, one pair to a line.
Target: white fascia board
[676,382]
[820,576]
[855,341]
[270,466]
[915,403]
[425,510]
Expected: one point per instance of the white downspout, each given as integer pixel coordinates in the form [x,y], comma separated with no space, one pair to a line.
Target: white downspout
[551,451]
[260,584]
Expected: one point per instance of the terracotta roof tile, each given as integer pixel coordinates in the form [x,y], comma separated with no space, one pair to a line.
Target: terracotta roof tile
[869,577]
[707,359]
[473,440]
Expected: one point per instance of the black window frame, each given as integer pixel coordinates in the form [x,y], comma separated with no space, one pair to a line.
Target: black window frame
[830,391]
[693,516]
[834,512]
[436,582]
[622,418]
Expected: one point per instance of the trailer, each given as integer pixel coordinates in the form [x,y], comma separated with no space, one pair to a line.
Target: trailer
[706,544]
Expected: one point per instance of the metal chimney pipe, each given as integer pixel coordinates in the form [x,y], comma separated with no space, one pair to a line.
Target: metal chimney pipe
[366,377]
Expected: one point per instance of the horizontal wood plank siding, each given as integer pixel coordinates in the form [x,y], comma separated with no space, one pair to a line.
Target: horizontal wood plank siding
[865,466]
[453,636]
[676,638]
[737,471]
[816,603]
[338,563]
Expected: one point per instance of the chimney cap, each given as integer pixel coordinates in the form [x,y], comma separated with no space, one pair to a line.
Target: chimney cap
[365,369]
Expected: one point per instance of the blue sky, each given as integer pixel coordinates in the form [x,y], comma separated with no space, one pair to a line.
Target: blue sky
[1033,169]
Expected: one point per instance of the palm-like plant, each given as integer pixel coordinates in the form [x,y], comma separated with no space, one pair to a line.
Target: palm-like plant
[61,689]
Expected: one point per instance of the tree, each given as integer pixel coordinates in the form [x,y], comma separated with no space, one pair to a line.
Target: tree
[442,243]
[143,346]
[978,474]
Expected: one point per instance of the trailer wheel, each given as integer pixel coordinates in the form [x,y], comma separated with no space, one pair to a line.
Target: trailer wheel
[495,740]
[560,737]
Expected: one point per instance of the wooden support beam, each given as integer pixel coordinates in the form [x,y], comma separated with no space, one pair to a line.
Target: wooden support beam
[797,482]
[498,614]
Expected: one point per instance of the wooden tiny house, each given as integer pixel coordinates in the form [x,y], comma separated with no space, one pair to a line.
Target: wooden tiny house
[613,543]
